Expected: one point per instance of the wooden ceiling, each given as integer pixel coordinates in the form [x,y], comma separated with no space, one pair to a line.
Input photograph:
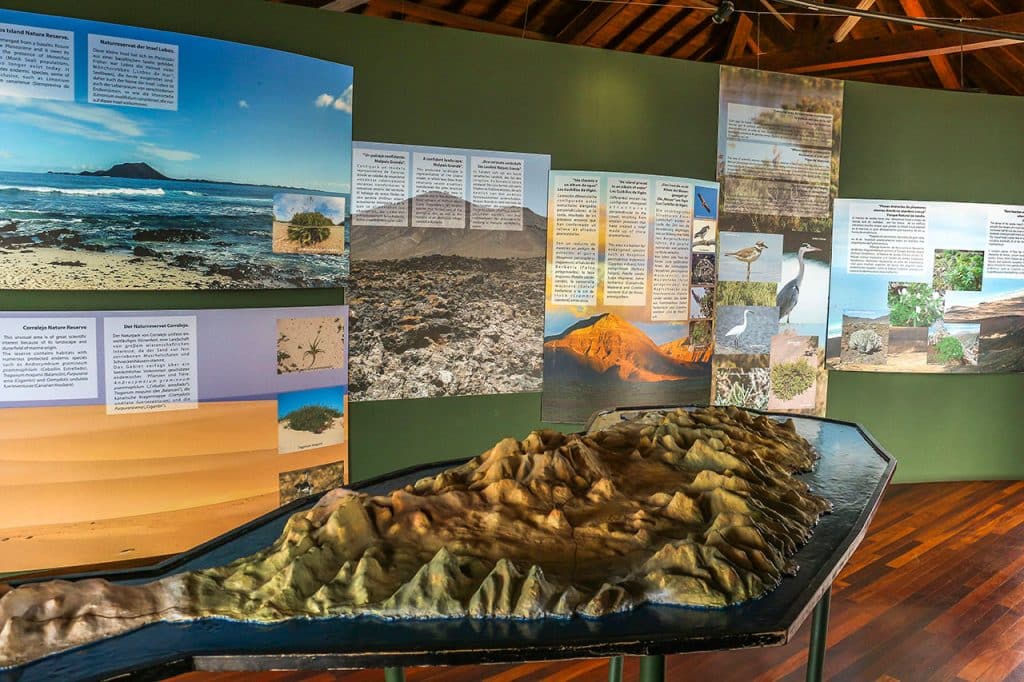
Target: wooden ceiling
[761,33]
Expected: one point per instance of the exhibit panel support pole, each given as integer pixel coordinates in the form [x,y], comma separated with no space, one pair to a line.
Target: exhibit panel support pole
[652,669]
[819,633]
[615,669]
[394,674]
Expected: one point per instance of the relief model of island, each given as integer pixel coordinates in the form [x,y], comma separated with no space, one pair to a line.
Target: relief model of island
[696,508]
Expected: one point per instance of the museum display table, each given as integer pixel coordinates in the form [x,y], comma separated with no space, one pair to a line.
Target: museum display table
[852,473]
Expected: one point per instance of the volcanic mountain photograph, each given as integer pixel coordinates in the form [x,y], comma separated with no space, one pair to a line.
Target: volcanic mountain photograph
[606,361]
[446,288]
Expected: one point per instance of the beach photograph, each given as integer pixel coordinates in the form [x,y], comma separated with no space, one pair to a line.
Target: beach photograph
[448,311]
[314,418]
[307,223]
[306,344]
[100,197]
[299,483]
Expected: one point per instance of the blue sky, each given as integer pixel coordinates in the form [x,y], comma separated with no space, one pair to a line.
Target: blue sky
[287,205]
[332,396]
[536,167]
[245,114]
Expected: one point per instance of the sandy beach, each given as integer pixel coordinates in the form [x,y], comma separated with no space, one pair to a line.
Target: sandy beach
[290,440]
[78,487]
[306,344]
[37,268]
[334,244]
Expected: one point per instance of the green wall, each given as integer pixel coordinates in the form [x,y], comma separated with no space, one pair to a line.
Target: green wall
[601,110]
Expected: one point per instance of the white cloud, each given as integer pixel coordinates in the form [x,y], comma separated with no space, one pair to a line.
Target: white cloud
[166,154]
[287,205]
[344,101]
[4,154]
[72,118]
[106,119]
[243,104]
[61,126]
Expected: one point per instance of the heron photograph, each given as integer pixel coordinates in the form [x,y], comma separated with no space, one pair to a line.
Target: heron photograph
[745,329]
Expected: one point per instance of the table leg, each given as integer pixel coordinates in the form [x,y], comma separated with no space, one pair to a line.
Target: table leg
[394,674]
[615,669]
[819,633]
[652,669]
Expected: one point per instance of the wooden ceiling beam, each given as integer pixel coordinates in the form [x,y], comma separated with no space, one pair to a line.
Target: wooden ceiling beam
[893,48]
[999,71]
[343,5]
[940,62]
[581,34]
[689,42]
[849,22]
[681,15]
[778,15]
[452,19]
[739,37]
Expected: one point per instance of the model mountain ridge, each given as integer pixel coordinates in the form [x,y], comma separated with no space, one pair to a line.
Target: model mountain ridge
[696,508]
[607,343]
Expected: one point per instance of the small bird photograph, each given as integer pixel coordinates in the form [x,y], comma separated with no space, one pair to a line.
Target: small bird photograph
[702,302]
[745,329]
[749,257]
[704,236]
[705,204]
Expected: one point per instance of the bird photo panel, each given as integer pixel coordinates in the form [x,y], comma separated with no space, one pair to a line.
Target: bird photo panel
[778,165]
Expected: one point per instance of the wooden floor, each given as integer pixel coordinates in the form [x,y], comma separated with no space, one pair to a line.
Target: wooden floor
[935,592]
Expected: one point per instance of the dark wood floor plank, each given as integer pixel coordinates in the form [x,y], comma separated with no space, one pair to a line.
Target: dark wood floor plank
[935,592]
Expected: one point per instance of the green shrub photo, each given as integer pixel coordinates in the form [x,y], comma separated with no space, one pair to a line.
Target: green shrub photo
[950,349]
[790,379]
[914,304]
[958,270]
[312,418]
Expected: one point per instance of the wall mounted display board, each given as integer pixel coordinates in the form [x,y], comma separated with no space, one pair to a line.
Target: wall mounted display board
[778,162]
[131,434]
[630,292]
[142,159]
[447,285]
[927,286]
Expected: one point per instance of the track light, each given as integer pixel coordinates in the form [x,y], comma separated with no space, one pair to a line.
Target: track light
[724,11]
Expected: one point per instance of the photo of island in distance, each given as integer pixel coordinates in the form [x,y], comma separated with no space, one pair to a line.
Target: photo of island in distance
[606,360]
[131,197]
[447,294]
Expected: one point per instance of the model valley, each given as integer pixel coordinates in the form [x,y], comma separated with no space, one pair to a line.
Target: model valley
[698,508]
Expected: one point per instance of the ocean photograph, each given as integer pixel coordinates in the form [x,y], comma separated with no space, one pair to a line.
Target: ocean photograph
[89,232]
[129,196]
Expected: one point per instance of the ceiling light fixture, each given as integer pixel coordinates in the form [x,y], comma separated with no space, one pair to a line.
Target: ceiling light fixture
[724,11]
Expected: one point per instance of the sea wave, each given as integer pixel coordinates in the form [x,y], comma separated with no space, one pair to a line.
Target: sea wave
[99,191]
